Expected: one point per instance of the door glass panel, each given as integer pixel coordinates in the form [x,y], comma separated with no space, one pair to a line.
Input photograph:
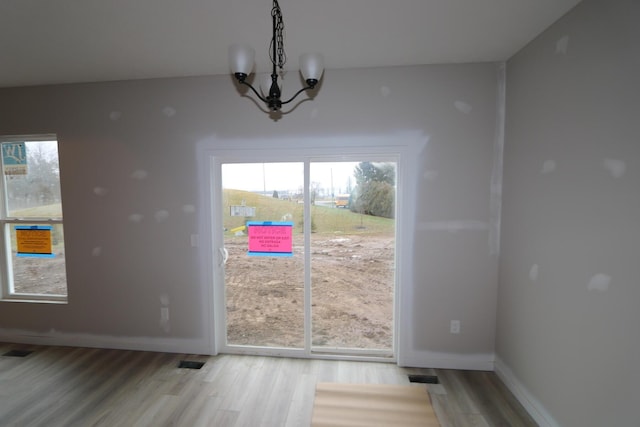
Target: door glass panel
[264,292]
[352,255]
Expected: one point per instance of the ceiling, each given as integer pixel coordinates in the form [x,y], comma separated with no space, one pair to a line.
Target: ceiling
[68,41]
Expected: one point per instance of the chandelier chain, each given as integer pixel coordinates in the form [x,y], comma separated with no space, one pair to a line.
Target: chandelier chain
[281,59]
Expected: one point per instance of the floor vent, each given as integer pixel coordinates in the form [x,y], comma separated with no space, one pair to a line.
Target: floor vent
[423,379]
[18,353]
[188,364]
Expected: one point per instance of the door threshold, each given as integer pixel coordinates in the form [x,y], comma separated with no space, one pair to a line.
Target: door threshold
[356,355]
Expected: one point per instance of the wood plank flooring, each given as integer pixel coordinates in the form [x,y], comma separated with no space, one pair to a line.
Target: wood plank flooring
[65,386]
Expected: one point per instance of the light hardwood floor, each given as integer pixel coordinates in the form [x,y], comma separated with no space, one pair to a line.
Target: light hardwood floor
[65,386]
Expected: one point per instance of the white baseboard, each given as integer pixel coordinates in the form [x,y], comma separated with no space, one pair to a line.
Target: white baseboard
[165,345]
[530,403]
[438,360]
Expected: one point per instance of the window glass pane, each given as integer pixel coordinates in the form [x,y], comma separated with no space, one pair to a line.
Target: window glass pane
[32,177]
[35,263]
[34,270]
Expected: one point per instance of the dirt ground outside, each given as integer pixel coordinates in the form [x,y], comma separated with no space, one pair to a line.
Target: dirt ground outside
[40,275]
[352,283]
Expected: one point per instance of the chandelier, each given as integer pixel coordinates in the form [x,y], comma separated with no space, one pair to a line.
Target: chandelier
[241,59]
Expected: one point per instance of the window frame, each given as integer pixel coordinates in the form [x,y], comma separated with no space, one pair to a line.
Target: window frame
[7,292]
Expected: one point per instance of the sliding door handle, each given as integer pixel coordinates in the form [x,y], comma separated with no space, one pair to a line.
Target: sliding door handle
[224,256]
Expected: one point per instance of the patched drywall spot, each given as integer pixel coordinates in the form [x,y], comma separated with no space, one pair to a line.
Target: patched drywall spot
[164,313]
[99,191]
[314,113]
[463,107]
[115,115]
[385,91]
[161,215]
[140,174]
[188,209]
[430,175]
[533,273]
[548,166]
[495,196]
[169,111]
[599,283]
[164,299]
[615,167]
[562,45]
[97,251]
[136,217]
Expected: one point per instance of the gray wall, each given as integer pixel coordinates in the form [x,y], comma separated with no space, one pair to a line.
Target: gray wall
[569,286]
[120,272]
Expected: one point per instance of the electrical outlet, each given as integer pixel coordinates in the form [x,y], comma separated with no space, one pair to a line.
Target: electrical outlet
[455,327]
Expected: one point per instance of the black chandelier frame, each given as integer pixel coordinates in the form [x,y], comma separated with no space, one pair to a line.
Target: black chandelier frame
[278,59]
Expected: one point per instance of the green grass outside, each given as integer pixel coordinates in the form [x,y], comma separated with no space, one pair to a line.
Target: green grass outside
[46,211]
[40,212]
[325,219]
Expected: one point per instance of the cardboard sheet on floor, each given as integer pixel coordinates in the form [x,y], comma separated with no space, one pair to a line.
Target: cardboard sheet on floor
[369,405]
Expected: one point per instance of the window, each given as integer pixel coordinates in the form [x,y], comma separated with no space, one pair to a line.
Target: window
[32,238]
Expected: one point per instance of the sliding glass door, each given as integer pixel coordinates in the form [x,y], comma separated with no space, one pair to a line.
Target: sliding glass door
[307,255]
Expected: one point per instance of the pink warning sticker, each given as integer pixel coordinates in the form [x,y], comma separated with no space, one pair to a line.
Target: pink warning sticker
[270,238]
